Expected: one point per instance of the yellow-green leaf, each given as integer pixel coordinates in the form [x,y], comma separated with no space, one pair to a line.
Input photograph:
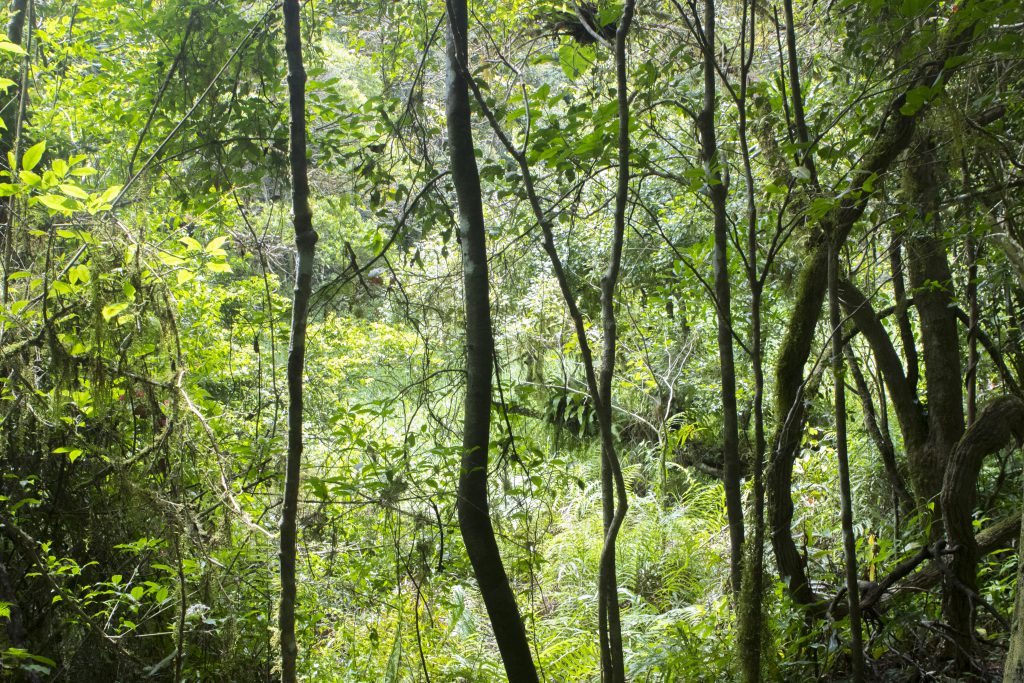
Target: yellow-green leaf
[8,46]
[32,155]
[110,194]
[170,259]
[191,244]
[184,276]
[219,267]
[215,245]
[113,309]
[58,203]
[74,191]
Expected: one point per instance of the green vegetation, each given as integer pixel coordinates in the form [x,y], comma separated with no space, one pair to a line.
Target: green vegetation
[638,336]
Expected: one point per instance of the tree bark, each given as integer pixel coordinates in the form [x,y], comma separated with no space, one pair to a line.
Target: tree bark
[1013,671]
[882,440]
[999,422]
[723,298]
[750,611]
[843,465]
[473,506]
[909,412]
[613,669]
[305,244]
[899,292]
[9,142]
[932,283]
[894,136]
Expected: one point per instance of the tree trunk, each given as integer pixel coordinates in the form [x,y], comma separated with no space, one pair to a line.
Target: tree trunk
[882,440]
[1001,421]
[1013,672]
[932,283]
[305,244]
[723,297]
[473,506]
[899,292]
[613,667]
[894,137]
[9,138]
[750,612]
[845,498]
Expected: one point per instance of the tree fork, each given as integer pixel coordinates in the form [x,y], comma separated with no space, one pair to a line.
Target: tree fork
[895,134]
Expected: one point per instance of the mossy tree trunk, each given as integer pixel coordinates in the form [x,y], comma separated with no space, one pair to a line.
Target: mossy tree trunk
[998,424]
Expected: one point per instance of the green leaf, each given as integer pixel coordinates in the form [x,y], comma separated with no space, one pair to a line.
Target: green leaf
[191,244]
[915,99]
[184,276]
[79,274]
[319,488]
[170,259]
[74,191]
[138,592]
[575,60]
[32,155]
[104,201]
[64,205]
[8,46]
[395,658]
[215,245]
[30,178]
[113,309]
[219,267]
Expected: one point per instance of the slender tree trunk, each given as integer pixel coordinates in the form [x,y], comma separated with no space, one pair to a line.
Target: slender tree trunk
[899,290]
[883,442]
[612,482]
[805,158]
[972,331]
[750,611]
[473,506]
[613,668]
[1013,672]
[305,244]
[723,296]
[9,141]
[845,497]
